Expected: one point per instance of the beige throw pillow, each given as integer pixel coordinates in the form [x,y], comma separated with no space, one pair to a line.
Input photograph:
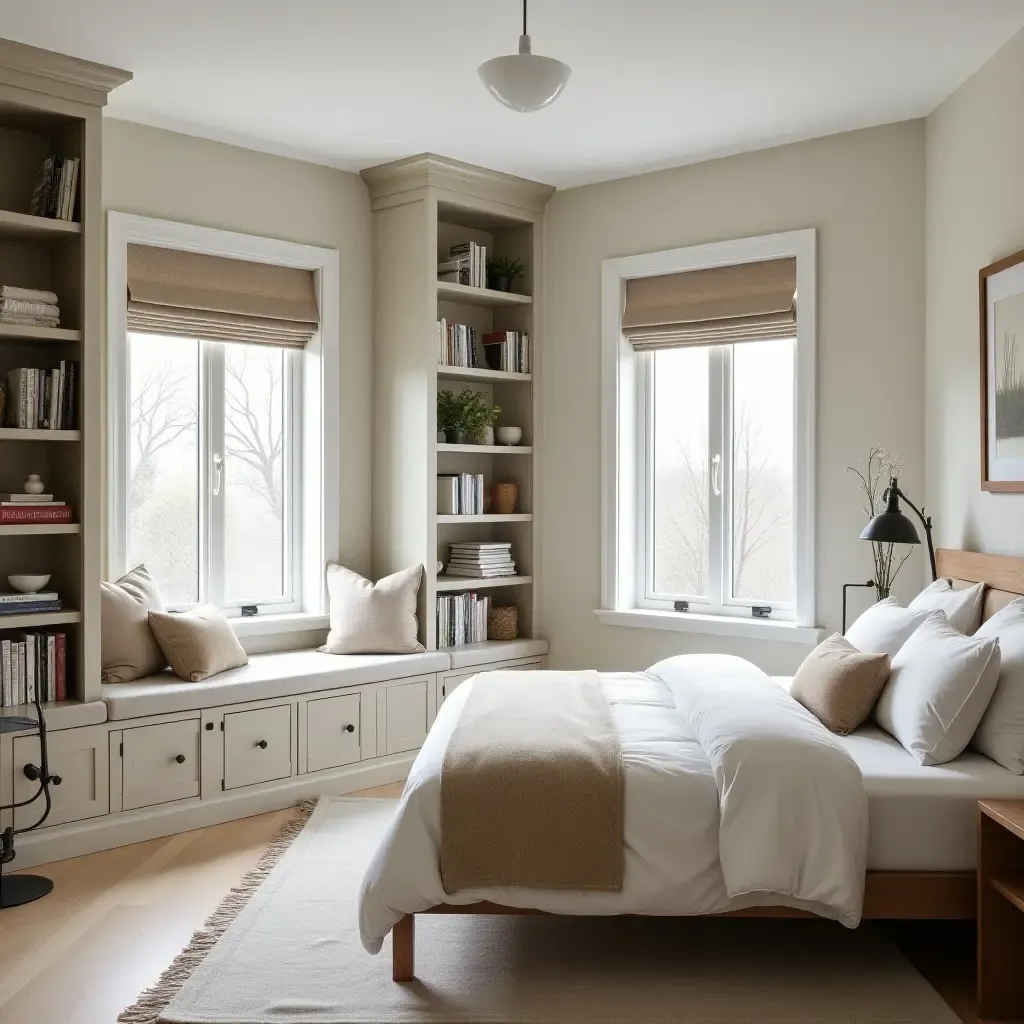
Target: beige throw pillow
[199,643]
[373,618]
[128,649]
[839,685]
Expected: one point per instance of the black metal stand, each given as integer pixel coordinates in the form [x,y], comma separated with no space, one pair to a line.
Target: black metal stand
[16,890]
[846,586]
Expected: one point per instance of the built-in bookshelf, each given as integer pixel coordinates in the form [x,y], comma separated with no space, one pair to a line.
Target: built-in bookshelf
[423,207]
[51,106]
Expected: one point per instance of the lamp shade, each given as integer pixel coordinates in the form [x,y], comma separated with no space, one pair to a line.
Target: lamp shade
[891,526]
[523,80]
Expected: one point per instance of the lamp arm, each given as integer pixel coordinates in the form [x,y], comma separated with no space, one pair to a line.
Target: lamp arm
[926,522]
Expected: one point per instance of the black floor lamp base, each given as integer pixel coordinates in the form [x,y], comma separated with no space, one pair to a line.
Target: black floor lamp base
[16,890]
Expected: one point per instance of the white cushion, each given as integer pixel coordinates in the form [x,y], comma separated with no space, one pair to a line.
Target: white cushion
[885,627]
[940,684]
[1001,733]
[373,618]
[962,607]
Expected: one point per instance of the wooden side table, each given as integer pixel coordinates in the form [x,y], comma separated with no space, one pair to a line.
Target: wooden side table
[1000,909]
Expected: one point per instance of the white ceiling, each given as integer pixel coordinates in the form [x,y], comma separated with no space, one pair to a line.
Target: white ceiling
[655,82]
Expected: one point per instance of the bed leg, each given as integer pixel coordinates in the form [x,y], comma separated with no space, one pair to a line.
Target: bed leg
[403,949]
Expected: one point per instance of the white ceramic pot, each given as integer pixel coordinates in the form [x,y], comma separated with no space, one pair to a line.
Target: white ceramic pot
[488,437]
[34,484]
[509,435]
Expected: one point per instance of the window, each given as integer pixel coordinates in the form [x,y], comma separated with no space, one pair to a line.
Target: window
[212,497]
[708,440]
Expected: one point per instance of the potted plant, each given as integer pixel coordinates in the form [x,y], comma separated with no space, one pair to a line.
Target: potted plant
[466,417]
[503,272]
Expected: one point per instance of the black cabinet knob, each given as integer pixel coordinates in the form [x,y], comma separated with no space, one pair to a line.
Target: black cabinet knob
[180,759]
[209,726]
[56,780]
[262,744]
[350,728]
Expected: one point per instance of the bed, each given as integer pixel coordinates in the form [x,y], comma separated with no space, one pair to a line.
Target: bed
[920,833]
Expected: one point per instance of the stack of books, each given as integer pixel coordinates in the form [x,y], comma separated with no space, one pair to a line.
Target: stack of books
[458,345]
[508,351]
[31,665]
[461,494]
[29,604]
[39,399]
[28,307]
[461,619]
[481,559]
[56,188]
[33,508]
[466,264]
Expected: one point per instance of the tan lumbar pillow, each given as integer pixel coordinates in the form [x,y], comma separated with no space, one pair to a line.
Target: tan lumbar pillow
[373,618]
[199,643]
[839,685]
[128,649]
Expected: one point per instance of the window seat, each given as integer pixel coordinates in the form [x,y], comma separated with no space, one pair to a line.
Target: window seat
[267,676]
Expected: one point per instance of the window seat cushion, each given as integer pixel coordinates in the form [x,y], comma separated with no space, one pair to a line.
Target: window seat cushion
[281,674]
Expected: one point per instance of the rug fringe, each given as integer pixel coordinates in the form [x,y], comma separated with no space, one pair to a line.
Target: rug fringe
[151,1003]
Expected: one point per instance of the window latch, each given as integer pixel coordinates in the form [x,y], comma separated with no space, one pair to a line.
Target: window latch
[248,610]
[680,606]
[761,611]
[218,472]
[716,468]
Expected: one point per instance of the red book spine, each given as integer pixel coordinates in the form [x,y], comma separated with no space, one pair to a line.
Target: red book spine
[62,666]
[36,514]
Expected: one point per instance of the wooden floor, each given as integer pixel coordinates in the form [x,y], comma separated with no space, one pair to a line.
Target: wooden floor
[115,920]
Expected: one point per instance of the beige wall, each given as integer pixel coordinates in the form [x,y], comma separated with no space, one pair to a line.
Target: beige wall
[975,215]
[163,174]
[864,192]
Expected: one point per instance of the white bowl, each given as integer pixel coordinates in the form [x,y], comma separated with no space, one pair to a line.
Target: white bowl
[508,435]
[28,584]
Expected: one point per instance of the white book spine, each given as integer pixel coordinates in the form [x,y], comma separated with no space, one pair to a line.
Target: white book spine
[6,699]
[51,667]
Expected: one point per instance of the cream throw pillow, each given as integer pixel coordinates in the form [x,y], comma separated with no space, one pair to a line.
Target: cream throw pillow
[199,643]
[961,607]
[128,649]
[885,627]
[839,685]
[373,618]
[1001,733]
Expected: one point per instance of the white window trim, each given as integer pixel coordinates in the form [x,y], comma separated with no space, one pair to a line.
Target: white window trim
[620,471]
[318,419]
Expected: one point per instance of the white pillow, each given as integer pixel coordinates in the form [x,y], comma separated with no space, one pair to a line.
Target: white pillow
[373,618]
[962,607]
[940,684]
[885,627]
[1001,733]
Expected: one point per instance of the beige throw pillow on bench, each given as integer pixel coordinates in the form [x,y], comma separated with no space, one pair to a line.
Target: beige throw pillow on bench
[373,618]
[839,685]
[128,649]
[199,643]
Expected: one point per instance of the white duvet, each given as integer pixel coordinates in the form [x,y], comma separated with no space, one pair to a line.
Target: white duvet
[735,796]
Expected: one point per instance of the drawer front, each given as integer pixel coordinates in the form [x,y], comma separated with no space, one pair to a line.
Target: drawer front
[333,736]
[159,763]
[82,760]
[257,746]
[451,682]
[405,716]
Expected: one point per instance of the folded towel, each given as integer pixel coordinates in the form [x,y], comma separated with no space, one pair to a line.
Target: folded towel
[23,308]
[28,321]
[10,291]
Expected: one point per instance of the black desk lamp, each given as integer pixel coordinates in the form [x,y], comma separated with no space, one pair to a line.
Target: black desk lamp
[893,527]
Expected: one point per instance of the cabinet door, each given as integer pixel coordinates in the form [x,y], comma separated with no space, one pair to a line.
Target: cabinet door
[333,734]
[257,746]
[159,763]
[81,758]
[405,716]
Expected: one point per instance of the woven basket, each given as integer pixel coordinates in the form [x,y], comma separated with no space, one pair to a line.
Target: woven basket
[503,622]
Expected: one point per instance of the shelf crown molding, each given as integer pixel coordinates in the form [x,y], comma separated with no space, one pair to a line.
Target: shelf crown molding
[57,74]
[386,181]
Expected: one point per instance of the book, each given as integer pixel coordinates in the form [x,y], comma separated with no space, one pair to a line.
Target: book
[30,609]
[6,696]
[447,495]
[35,514]
[27,499]
[50,672]
[31,667]
[62,666]
[43,595]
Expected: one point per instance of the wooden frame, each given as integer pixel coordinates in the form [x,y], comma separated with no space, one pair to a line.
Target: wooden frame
[984,278]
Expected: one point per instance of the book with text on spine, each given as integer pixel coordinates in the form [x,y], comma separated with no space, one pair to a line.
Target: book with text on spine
[35,514]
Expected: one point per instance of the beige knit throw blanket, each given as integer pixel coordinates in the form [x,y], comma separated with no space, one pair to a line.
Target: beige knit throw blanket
[532,786]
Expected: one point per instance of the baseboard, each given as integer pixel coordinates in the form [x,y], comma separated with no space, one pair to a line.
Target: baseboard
[112,830]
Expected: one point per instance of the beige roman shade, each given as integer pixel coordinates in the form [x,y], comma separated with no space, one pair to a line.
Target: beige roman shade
[717,306]
[198,296]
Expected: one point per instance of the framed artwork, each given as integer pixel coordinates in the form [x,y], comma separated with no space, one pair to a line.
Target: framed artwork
[1002,375]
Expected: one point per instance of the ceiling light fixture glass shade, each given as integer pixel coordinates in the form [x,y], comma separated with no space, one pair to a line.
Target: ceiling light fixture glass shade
[523,80]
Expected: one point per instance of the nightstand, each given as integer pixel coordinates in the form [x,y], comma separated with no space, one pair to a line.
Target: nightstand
[1000,909]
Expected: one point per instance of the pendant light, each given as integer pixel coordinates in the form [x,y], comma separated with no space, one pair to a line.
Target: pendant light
[524,81]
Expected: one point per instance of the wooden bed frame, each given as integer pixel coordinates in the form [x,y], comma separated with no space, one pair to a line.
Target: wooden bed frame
[888,895]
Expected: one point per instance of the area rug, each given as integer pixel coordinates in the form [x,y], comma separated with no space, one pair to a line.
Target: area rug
[292,954]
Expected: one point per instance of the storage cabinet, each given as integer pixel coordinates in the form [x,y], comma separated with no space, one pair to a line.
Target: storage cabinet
[333,732]
[403,716]
[257,746]
[159,763]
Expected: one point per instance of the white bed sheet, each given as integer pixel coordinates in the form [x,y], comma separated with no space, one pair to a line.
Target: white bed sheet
[923,817]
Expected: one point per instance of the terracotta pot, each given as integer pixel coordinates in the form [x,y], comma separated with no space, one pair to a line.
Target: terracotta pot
[505,497]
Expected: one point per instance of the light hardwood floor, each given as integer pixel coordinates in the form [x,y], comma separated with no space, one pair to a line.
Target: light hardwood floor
[116,919]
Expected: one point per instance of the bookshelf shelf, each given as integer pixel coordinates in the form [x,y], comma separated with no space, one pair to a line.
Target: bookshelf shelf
[473,373]
[15,332]
[21,434]
[37,529]
[515,517]
[486,449]
[448,291]
[24,227]
[32,620]
[446,583]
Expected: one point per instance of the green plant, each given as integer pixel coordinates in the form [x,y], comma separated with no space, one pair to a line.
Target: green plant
[506,266]
[467,411]
[447,411]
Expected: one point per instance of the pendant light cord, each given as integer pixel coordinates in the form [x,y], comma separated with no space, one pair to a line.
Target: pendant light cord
[524,18]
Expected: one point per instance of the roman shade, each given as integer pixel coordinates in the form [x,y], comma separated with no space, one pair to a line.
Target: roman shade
[194,295]
[717,306]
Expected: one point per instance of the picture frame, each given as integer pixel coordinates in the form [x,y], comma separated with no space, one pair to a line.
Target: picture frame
[1001,305]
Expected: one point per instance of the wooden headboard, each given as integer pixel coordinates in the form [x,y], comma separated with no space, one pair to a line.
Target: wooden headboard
[1003,575]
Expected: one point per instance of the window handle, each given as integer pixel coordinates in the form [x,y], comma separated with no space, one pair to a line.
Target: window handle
[716,468]
[218,472]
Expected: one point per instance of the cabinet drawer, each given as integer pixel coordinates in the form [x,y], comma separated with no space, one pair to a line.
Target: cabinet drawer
[405,716]
[159,763]
[333,736]
[82,760]
[257,746]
